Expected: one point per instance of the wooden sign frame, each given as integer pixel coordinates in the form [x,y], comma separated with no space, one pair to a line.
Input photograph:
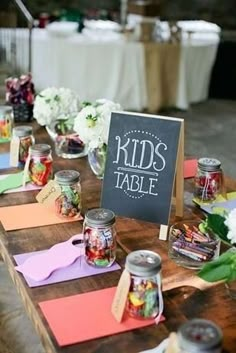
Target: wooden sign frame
[147,154]
[178,187]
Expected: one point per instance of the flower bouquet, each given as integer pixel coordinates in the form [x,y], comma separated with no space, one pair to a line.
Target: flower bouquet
[20,94]
[56,109]
[93,122]
[223,224]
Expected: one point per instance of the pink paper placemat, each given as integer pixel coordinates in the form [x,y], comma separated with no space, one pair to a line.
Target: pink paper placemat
[78,269]
[29,216]
[190,168]
[86,316]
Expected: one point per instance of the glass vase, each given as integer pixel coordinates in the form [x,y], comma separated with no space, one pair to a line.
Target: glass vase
[97,160]
[67,143]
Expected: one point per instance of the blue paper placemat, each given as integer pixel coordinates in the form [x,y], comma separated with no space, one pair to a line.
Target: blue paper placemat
[5,161]
[228,205]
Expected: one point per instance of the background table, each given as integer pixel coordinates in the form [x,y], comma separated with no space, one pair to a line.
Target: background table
[181,304]
[120,69]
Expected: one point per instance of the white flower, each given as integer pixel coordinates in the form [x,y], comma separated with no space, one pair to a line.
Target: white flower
[93,121]
[55,103]
[230,222]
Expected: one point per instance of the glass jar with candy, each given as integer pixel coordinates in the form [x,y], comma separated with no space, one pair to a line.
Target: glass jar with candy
[145,299]
[6,123]
[26,140]
[68,204]
[100,237]
[40,164]
[208,179]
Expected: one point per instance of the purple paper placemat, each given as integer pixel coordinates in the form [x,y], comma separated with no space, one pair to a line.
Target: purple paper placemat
[78,269]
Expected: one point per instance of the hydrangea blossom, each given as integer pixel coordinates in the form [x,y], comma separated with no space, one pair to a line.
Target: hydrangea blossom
[53,103]
[93,122]
[230,222]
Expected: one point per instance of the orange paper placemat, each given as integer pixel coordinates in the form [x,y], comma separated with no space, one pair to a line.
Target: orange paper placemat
[29,216]
[86,316]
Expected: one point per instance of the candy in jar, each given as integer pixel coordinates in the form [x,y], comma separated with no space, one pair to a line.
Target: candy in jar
[68,204]
[100,237]
[26,140]
[6,122]
[40,164]
[199,336]
[208,179]
[145,299]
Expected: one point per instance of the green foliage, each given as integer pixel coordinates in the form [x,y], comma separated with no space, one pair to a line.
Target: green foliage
[216,223]
[223,268]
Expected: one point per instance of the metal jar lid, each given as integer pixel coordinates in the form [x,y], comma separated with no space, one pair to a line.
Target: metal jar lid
[209,164]
[4,109]
[22,131]
[40,149]
[67,177]
[143,263]
[99,217]
[199,335]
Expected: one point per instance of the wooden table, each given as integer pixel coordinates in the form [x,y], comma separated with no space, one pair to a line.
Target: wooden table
[180,303]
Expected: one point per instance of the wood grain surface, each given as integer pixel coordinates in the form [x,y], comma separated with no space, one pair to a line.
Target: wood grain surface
[181,300]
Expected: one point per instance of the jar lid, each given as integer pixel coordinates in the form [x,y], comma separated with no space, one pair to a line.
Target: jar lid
[5,109]
[100,217]
[67,177]
[22,131]
[209,164]
[143,263]
[40,149]
[199,335]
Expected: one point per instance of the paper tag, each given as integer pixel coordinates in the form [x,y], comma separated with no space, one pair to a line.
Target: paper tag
[120,298]
[14,151]
[49,193]
[26,170]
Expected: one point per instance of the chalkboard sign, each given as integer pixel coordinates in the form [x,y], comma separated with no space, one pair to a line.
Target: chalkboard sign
[141,165]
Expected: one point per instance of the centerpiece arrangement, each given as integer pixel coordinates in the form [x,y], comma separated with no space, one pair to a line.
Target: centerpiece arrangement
[223,224]
[93,122]
[56,109]
[20,95]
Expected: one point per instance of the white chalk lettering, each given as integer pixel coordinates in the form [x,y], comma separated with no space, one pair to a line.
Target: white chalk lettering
[160,168]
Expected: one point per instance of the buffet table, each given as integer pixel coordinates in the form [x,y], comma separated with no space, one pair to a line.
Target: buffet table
[137,75]
[180,304]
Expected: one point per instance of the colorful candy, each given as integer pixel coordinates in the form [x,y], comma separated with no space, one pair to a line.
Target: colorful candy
[6,120]
[40,165]
[143,298]
[100,237]
[68,204]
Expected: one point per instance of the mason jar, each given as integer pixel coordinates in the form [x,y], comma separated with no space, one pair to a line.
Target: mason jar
[199,336]
[40,164]
[208,179]
[68,204]
[100,237]
[26,140]
[145,299]
[6,123]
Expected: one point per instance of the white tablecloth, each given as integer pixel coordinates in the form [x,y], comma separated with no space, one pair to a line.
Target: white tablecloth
[112,69]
